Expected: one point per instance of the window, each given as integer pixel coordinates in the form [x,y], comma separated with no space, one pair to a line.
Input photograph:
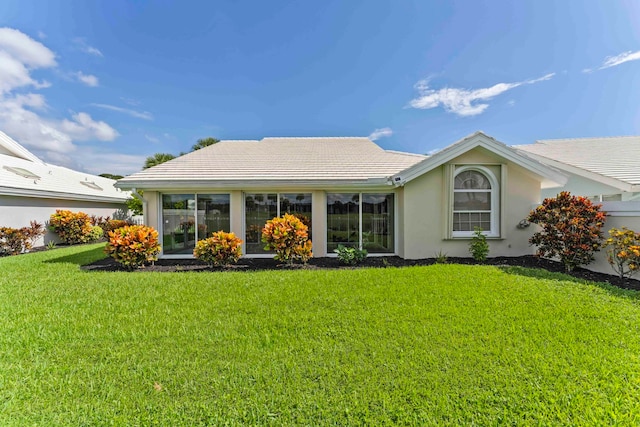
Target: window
[475,201]
[187,218]
[261,207]
[361,220]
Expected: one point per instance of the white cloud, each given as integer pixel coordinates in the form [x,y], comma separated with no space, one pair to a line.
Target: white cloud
[88,79]
[42,35]
[380,133]
[24,115]
[463,102]
[133,113]
[19,54]
[84,47]
[613,61]
[97,161]
[84,128]
[151,138]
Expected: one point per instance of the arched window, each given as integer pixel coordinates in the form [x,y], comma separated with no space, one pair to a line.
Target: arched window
[475,201]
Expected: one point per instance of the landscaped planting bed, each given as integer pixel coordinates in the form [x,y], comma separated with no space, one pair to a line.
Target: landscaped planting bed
[441,344]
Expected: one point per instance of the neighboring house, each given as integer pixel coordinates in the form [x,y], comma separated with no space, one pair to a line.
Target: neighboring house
[606,170]
[31,189]
[351,191]
[603,169]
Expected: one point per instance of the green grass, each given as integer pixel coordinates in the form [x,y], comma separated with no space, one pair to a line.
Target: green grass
[444,344]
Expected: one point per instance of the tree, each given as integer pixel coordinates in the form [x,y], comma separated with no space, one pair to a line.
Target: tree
[204,142]
[157,159]
[571,229]
[134,204]
[111,176]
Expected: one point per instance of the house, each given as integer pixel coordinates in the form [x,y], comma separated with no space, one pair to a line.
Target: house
[31,190]
[606,170]
[350,191]
[603,169]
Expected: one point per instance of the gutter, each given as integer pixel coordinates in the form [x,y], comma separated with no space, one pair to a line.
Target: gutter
[145,209]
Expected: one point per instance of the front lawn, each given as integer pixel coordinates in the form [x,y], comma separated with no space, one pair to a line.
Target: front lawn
[443,344]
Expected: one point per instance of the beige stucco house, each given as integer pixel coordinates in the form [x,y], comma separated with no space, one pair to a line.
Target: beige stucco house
[31,190]
[350,191]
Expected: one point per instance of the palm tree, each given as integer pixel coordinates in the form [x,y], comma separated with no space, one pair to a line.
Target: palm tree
[204,142]
[157,159]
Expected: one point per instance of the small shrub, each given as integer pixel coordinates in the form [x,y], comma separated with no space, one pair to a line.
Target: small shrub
[96,233]
[623,251]
[51,245]
[478,246]
[13,241]
[133,245]
[34,232]
[288,237]
[348,255]
[221,249]
[441,257]
[571,229]
[99,220]
[114,224]
[71,227]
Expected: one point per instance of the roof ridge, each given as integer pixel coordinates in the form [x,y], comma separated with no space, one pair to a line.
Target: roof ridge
[314,137]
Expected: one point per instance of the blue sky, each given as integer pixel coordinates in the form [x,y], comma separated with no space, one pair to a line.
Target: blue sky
[99,86]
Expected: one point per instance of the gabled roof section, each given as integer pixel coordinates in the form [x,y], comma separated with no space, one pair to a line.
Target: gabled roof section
[10,147]
[613,161]
[22,175]
[274,161]
[550,177]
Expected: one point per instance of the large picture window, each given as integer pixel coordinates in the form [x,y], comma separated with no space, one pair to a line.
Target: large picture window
[187,218]
[361,220]
[261,207]
[475,201]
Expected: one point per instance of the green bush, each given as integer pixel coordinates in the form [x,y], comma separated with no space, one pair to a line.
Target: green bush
[96,233]
[348,255]
[71,227]
[221,249]
[133,245]
[478,247]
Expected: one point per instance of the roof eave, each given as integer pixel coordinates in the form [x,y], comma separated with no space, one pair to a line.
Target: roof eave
[238,184]
[43,194]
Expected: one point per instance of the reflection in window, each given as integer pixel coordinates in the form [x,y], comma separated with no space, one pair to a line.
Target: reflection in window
[183,224]
[377,223]
[258,209]
[343,220]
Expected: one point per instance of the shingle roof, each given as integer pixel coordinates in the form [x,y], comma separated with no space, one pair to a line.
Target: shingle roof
[23,174]
[612,157]
[308,160]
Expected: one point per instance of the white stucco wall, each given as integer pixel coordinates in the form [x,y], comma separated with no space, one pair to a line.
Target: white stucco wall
[425,216]
[17,212]
[581,186]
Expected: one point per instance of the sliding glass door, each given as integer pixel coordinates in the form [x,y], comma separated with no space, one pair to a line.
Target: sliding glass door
[187,218]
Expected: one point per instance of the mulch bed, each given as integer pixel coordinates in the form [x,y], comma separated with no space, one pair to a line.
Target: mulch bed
[256,264]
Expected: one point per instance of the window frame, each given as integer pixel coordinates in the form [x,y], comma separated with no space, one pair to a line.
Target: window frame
[495,195]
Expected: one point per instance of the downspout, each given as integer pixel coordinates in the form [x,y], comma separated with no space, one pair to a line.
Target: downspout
[134,191]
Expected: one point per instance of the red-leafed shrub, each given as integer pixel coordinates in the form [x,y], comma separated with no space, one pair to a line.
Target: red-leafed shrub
[13,241]
[220,249]
[623,251]
[571,229]
[112,224]
[71,227]
[133,245]
[288,237]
